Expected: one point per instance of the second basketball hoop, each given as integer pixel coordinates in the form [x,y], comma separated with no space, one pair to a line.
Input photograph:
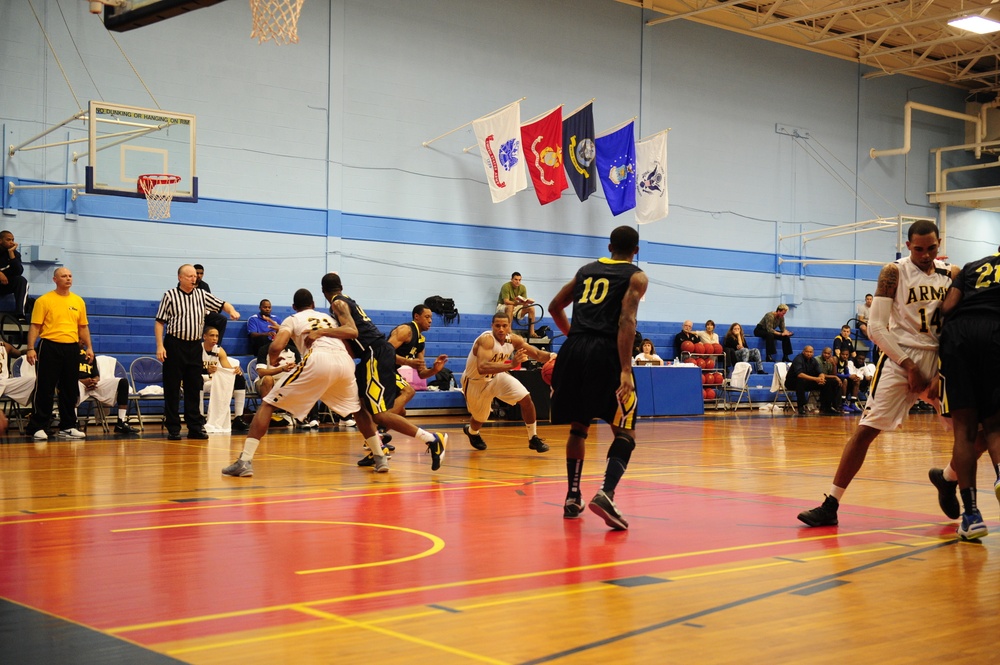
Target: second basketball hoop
[159,191]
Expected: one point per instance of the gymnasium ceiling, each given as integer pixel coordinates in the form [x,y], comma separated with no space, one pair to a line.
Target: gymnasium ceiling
[906,37]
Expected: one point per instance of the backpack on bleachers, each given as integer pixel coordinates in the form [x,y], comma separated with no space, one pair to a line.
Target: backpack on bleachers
[443,306]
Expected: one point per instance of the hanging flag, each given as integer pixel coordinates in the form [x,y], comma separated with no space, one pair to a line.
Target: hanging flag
[651,200]
[498,136]
[542,143]
[616,167]
[578,151]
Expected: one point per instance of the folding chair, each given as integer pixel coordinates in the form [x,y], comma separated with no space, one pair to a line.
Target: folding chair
[19,369]
[253,397]
[105,368]
[778,385]
[145,372]
[738,382]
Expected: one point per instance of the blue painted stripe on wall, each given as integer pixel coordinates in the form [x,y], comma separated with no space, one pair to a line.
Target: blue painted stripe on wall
[218,213]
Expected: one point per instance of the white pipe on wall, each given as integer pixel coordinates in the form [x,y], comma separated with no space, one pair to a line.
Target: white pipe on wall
[907,122]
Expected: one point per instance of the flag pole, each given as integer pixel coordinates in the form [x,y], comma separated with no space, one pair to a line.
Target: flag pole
[584,105]
[652,136]
[427,143]
[616,127]
[542,114]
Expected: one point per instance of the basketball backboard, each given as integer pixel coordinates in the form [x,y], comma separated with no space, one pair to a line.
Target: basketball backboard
[128,141]
[130,14]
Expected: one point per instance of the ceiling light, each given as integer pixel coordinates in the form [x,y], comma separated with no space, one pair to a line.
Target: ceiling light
[977,24]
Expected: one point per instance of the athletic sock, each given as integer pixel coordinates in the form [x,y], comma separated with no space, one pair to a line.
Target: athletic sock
[374,444]
[473,432]
[239,402]
[613,474]
[249,448]
[123,413]
[968,498]
[837,492]
[574,469]
[532,429]
[949,473]
[424,436]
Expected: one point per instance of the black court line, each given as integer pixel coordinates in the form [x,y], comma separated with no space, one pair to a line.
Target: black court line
[728,606]
[30,637]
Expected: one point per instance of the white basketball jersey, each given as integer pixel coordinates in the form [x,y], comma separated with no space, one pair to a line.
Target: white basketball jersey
[490,351]
[302,323]
[4,372]
[209,358]
[915,319]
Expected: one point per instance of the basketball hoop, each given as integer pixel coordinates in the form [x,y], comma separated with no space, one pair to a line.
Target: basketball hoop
[159,190]
[276,19]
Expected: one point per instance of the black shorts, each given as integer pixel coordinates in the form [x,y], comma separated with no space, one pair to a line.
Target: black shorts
[376,376]
[584,381]
[970,355]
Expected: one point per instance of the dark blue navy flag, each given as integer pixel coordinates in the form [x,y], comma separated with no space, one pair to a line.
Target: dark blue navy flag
[578,151]
[616,167]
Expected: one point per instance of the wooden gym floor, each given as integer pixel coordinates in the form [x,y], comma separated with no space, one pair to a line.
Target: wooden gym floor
[136,550]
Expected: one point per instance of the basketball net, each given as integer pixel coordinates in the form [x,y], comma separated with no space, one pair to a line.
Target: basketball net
[276,19]
[159,190]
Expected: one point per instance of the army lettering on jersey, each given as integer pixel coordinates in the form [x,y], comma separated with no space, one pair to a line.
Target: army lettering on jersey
[597,296]
[209,358]
[88,370]
[415,346]
[979,283]
[915,319]
[368,334]
[490,351]
[300,324]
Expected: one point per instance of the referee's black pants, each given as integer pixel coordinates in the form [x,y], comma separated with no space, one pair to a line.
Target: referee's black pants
[58,365]
[183,363]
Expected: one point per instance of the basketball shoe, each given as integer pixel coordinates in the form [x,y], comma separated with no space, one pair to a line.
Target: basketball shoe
[603,505]
[436,449]
[972,527]
[825,515]
[946,489]
[239,469]
[475,440]
[538,445]
[573,507]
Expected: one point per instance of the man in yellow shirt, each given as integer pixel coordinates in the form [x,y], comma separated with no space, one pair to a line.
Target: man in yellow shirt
[58,326]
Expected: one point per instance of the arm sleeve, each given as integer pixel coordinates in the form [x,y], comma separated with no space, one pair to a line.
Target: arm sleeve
[878,330]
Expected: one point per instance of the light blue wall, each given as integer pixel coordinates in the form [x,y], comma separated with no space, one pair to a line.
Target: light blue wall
[310,156]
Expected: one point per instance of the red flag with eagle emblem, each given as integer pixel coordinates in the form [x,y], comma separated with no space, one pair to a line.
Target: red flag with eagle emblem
[541,141]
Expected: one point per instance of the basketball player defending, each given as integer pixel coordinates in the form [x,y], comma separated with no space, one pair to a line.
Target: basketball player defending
[593,374]
[376,376]
[326,373]
[487,375]
[905,323]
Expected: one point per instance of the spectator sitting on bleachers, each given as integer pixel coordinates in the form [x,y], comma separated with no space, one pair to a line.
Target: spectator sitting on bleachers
[735,346]
[261,327]
[17,388]
[108,390]
[685,335]
[648,355]
[771,328]
[12,280]
[844,341]
[213,358]
[828,363]
[864,311]
[805,375]
[850,381]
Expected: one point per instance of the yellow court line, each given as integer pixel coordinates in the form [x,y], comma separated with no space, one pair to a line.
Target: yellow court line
[489,580]
[437,544]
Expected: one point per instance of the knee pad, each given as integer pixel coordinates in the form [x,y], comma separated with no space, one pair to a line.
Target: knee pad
[622,447]
[578,433]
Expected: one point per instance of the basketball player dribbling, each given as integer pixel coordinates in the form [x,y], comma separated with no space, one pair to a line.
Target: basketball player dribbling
[592,377]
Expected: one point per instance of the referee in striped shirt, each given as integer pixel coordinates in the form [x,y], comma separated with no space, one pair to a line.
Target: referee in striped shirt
[180,321]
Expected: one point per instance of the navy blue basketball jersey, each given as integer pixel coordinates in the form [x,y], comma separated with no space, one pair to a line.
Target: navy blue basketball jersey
[368,334]
[415,346]
[597,296]
[979,283]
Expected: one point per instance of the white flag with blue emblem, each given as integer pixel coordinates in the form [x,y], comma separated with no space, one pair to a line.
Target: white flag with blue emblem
[498,136]
[651,200]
